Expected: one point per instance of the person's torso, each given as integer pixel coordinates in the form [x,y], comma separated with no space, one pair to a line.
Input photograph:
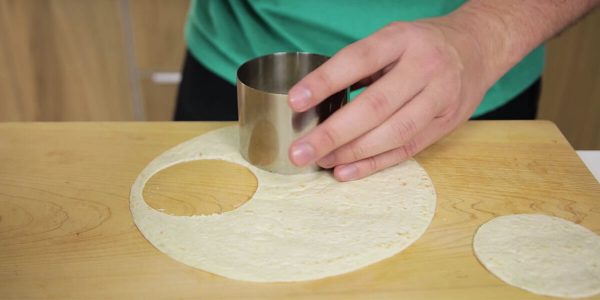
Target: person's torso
[222,34]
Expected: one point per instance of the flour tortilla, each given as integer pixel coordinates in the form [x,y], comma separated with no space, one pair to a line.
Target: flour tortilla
[541,254]
[295,227]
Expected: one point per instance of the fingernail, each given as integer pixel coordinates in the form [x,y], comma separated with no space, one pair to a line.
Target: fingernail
[327,161]
[348,172]
[299,98]
[302,154]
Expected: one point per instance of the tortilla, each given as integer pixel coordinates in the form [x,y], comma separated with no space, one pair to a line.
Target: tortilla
[295,227]
[541,254]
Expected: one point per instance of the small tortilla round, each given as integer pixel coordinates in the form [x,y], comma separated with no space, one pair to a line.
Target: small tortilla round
[541,254]
[295,227]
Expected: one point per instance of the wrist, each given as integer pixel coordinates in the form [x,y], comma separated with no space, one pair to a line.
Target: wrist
[478,47]
[505,31]
[498,49]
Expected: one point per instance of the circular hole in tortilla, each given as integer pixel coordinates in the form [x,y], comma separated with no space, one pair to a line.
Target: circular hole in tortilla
[201,187]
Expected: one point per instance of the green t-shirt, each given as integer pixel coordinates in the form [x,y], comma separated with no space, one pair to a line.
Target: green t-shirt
[223,34]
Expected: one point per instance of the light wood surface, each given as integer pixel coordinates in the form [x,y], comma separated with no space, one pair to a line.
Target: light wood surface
[571,83]
[62,60]
[66,230]
[186,189]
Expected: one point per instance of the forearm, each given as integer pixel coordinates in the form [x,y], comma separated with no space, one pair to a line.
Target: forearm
[507,30]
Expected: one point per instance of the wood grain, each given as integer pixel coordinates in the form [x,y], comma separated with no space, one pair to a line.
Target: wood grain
[62,60]
[571,83]
[202,187]
[66,230]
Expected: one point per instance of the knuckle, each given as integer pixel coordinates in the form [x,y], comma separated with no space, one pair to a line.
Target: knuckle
[450,100]
[436,105]
[357,152]
[418,35]
[432,63]
[325,80]
[329,137]
[447,116]
[403,130]
[410,149]
[452,121]
[457,81]
[363,53]
[458,66]
[453,99]
[371,165]
[378,103]
[395,27]
[359,50]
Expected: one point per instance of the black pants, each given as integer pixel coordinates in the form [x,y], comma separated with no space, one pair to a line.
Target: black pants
[204,96]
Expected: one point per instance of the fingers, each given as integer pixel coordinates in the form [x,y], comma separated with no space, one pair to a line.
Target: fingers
[368,166]
[368,110]
[395,132]
[348,66]
[372,78]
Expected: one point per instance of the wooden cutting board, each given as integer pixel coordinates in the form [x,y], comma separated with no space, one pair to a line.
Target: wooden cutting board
[66,230]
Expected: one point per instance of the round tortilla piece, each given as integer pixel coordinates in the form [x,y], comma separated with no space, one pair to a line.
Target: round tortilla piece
[295,227]
[541,254]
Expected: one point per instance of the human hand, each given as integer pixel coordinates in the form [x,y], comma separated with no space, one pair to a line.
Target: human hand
[426,78]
